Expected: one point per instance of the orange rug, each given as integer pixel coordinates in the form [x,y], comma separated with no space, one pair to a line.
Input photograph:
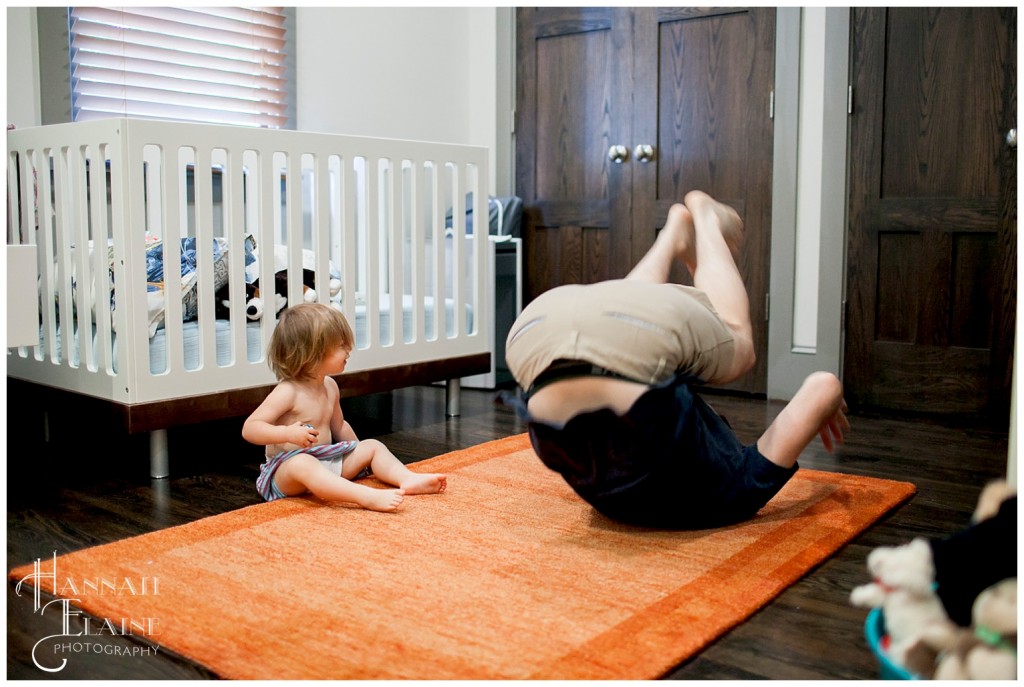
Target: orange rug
[508,575]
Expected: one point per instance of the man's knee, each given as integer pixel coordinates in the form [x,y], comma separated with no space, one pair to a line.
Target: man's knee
[825,386]
[676,212]
[745,356]
[743,359]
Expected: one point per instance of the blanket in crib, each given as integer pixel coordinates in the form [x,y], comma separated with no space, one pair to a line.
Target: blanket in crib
[189,276]
[190,256]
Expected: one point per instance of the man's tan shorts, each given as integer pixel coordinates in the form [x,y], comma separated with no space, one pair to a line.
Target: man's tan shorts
[646,332]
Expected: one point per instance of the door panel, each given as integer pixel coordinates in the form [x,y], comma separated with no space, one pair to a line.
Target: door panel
[709,97]
[571,106]
[570,111]
[705,68]
[941,118]
[928,279]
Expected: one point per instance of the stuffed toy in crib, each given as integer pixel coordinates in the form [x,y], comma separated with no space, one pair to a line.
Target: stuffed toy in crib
[257,300]
[254,302]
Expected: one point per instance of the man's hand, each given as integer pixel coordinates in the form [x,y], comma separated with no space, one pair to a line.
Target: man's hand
[832,431]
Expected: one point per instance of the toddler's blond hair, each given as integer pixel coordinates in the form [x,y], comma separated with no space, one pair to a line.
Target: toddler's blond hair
[302,337]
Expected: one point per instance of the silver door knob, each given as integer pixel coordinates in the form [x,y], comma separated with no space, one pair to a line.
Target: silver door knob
[618,154]
[1011,138]
[644,152]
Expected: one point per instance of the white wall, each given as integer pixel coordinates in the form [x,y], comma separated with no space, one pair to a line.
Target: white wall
[422,73]
[22,67]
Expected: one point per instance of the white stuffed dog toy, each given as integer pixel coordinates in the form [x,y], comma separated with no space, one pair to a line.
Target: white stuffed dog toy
[904,588]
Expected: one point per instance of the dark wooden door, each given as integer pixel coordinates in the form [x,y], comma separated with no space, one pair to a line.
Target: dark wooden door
[931,279]
[573,104]
[703,98]
[694,85]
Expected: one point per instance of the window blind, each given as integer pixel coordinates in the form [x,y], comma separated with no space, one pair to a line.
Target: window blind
[223,65]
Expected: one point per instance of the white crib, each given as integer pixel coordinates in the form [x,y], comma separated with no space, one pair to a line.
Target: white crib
[104,201]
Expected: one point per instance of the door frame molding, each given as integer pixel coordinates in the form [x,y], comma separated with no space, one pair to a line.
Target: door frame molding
[809,197]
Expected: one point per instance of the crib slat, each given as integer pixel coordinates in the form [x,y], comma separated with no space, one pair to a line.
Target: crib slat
[129,343]
[458,246]
[100,258]
[27,179]
[321,227]
[394,248]
[269,186]
[202,178]
[173,170]
[83,299]
[417,253]
[47,259]
[294,238]
[481,286]
[440,251]
[235,229]
[15,199]
[129,220]
[349,234]
[63,241]
[371,229]
[83,318]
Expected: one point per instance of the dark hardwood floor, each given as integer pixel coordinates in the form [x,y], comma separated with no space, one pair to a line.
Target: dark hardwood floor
[86,487]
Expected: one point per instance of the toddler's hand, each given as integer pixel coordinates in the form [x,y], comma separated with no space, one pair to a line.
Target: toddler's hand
[302,435]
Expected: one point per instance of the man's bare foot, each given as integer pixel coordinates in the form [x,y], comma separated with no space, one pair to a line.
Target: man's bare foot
[383,500]
[679,230]
[721,215]
[424,484]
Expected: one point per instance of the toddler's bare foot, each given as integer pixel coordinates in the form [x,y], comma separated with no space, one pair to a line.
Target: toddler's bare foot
[679,230]
[721,215]
[425,483]
[383,500]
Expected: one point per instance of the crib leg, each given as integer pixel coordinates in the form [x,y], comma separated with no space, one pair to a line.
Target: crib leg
[451,397]
[159,460]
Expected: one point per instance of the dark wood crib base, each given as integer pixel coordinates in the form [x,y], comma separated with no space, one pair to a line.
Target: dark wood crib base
[157,416]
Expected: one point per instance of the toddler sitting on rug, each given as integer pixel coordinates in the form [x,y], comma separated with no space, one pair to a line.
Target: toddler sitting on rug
[301,417]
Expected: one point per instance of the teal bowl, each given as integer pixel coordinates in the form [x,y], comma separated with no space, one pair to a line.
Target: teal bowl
[874,630]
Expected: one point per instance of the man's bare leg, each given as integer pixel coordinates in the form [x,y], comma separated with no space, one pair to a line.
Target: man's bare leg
[718,234]
[817,408]
[674,242]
